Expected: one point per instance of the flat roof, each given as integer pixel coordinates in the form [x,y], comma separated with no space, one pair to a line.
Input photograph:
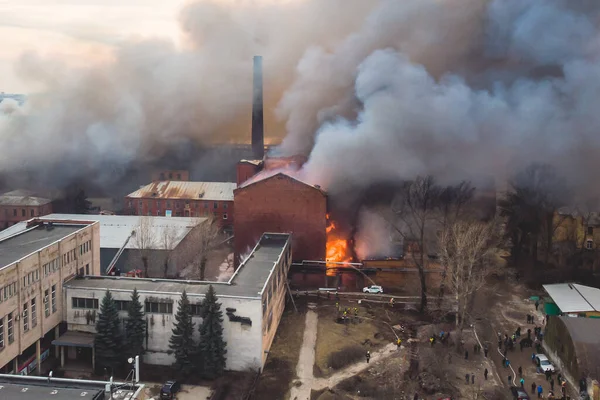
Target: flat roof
[75,339]
[30,241]
[186,190]
[248,281]
[573,297]
[116,229]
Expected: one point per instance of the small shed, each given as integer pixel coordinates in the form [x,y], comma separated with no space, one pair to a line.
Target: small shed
[572,299]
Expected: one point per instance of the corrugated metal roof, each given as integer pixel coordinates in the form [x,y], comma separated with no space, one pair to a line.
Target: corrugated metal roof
[115,229]
[214,191]
[22,198]
[572,297]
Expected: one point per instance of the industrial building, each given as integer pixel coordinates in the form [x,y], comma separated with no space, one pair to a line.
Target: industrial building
[34,264]
[21,205]
[281,203]
[121,249]
[252,301]
[183,199]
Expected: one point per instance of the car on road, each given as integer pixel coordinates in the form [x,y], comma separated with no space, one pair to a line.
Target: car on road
[169,390]
[543,364]
[374,289]
[519,394]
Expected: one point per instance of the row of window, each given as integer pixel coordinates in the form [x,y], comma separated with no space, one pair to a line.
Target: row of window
[29,316]
[177,204]
[123,305]
[32,212]
[69,257]
[51,266]
[8,291]
[178,214]
[78,302]
[85,247]
[31,278]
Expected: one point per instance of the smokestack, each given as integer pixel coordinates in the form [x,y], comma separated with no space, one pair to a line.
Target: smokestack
[258,125]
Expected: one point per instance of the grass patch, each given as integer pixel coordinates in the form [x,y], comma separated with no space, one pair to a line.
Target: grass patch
[346,356]
[333,337]
[280,369]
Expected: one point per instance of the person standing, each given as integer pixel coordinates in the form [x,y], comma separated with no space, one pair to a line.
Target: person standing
[485,374]
[467,378]
[552,384]
[533,386]
[368,356]
[520,371]
[540,390]
[537,304]
[522,382]
[466,354]
[399,342]
[472,379]
[485,350]
[509,379]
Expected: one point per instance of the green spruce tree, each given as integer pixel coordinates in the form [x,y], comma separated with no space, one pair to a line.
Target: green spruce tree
[135,327]
[181,342]
[108,339]
[212,348]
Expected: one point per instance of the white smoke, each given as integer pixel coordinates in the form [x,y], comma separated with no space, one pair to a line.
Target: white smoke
[374,237]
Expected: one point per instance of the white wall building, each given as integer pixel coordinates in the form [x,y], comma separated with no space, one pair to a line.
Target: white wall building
[252,303]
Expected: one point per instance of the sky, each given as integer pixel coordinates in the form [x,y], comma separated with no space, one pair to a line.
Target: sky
[76,30]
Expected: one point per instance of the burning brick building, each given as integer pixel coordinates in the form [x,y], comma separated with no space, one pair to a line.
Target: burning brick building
[281,203]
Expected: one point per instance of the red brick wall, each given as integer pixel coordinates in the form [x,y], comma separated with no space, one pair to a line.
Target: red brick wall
[245,171]
[281,204]
[8,217]
[180,208]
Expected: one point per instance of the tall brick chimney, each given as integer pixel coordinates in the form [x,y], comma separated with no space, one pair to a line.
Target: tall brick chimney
[258,124]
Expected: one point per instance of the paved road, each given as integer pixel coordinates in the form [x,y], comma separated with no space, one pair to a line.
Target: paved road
[304,369]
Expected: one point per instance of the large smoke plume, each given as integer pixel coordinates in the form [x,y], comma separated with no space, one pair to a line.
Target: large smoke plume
[373,91]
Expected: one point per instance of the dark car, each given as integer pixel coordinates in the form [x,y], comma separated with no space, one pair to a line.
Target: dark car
[519,394]
[169,390]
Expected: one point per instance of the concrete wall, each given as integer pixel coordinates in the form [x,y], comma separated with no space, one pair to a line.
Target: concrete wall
[281,204]
[36,290]
[244,342]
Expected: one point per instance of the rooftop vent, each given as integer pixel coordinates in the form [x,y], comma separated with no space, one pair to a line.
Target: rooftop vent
[200,195]
[154,194]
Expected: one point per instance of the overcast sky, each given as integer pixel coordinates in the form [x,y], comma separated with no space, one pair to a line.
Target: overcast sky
[75,30]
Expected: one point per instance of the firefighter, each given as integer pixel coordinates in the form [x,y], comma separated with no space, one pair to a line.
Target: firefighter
[399,342]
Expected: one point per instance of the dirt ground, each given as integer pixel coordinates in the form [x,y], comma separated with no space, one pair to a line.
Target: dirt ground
[280,369]
[188,392]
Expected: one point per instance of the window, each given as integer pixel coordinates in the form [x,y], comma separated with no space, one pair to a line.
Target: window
[53,299]
[2,333]
[589,245]
[46,303]
[225,216]
[79,302]
[14,212]
[215,205]
[225,206]
[10,328]
[205,205]
[87,269]
[178,177]
[196,309]
[122,305]
[25,317]
[159,308]
[31,213]
[23,212]
[81,271]
[158,204]
[590,230]
[170,175]
[168,204]
[33,313]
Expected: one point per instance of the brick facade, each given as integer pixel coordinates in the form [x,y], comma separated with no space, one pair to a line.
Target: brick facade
[221,210]
[281,204]
[11,214]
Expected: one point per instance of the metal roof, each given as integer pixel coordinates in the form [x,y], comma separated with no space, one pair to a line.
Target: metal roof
[585,338]
[22,198]
[248,281]
[115,229]
[213,191]
[16,247]
[573,297]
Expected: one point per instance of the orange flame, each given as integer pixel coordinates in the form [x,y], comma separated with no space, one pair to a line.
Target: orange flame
[337,248]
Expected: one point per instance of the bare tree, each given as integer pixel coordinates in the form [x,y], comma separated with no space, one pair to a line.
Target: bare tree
[169,240]
[470,250]
[416,208]
[144,241]
[206,236]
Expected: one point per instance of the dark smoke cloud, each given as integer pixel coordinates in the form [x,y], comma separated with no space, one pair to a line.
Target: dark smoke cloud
[454,88]
[97,122]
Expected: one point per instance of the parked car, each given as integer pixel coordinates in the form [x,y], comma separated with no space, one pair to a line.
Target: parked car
[373,289]
[543,364]
[519,394]
[170,389]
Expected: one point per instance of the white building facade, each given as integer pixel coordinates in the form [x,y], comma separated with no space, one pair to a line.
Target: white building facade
[252,302]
